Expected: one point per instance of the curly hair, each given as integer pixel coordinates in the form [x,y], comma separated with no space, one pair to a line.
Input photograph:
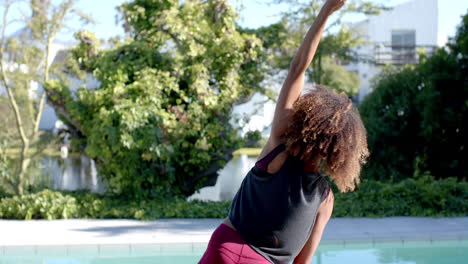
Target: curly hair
[327,128]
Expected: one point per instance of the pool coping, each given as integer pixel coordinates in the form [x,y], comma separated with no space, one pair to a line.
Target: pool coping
[195,233]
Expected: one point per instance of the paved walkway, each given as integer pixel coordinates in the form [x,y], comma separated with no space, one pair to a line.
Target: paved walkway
[74,232]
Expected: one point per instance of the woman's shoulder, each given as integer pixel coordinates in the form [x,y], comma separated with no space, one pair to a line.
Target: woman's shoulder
[272,157]
[270,145]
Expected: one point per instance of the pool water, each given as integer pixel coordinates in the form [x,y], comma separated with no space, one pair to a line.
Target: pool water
[428,252]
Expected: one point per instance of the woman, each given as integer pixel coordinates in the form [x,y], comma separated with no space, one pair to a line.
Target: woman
[284,203]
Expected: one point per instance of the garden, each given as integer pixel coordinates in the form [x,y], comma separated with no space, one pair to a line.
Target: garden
[159,125]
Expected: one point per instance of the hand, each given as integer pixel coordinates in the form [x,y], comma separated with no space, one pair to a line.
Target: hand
[334,5]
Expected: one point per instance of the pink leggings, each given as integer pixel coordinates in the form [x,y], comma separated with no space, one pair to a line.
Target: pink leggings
[226,246]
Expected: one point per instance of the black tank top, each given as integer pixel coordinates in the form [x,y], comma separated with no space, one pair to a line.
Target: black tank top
[275,212]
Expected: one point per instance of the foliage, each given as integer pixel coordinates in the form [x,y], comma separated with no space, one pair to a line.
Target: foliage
[416,117]
[282,39]
[7,168]
[95,206]
[159,123]
[339,47]
[391,120]
[275,38]
[57,205]
[252,139]
[422,196]
[7,123]
[341,80]
[4,163]
[83,55]
[43,205]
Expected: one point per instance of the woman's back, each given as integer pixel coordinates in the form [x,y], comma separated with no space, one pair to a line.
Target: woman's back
[271,208]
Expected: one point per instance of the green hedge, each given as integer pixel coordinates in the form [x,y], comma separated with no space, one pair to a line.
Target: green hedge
[423,196]
[95,206]
[46,204]
[50,205]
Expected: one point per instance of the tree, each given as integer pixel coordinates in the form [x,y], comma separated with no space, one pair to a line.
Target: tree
[336,76]
[283,38]
[22,64]
[417,116]
[158,125]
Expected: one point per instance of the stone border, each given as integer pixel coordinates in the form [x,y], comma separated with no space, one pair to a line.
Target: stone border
[196,232]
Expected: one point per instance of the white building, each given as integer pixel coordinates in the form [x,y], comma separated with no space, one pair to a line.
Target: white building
[395,37]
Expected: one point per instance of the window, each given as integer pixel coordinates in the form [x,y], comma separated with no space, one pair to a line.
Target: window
[403,46]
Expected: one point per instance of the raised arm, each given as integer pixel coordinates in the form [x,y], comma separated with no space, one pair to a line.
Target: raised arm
[294,82]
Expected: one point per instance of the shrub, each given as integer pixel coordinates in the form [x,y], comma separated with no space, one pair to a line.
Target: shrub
[422,196]
[43,205]
[97,206]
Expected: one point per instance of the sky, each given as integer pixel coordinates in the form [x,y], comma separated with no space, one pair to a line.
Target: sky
[255,13]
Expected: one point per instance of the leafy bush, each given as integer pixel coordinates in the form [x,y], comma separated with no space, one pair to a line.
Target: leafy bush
[4,193]
[43,205]
[97,206]
[421,196]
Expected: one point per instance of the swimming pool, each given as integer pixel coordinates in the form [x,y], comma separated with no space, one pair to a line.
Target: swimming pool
[403,252]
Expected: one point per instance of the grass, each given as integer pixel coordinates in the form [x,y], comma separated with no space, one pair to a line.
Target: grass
[248,151]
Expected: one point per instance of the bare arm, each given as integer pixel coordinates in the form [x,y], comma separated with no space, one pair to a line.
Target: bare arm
[294,82]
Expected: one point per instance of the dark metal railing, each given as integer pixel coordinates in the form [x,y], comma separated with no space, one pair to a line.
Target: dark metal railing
[388,54]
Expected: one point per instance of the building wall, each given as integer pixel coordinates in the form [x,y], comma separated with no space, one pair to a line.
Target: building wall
[418,15]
